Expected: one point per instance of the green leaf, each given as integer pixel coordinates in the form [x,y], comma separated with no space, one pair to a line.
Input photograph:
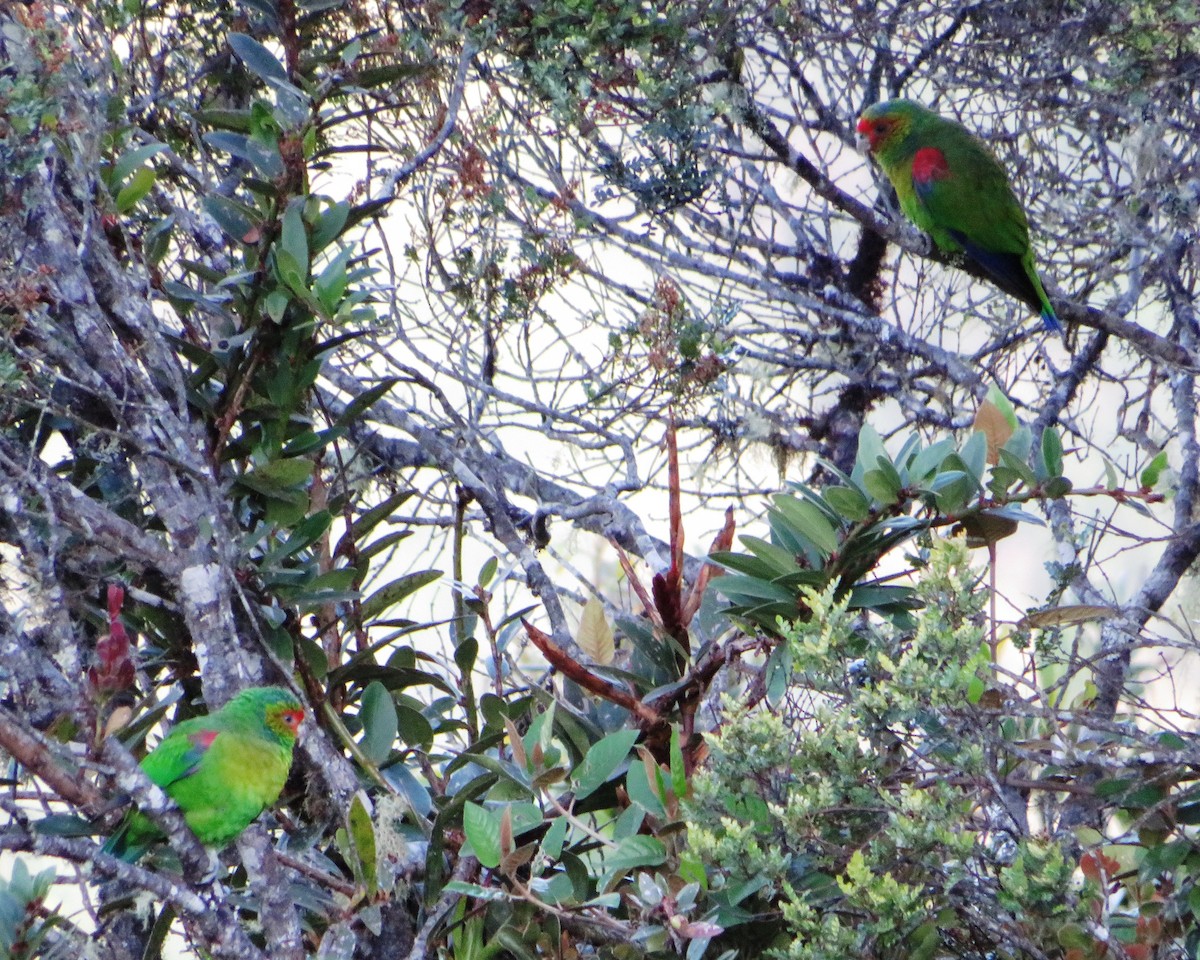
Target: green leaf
[330,286]
[264,157]
[779,559]
[742,563]
[392,593]
[601,761]
[882,486]
[329,225]
[870,449]
[1052,452]
[225,119]
[557,889]
[629,822]
[129,161]
[928,460]
[953,491]
[679,780]
[740,589]
[400,777]
[377,713]
[809,521]
[293,238]
[257,58]
[637,785]
[1153,470]
[362,834]
[237,220]
[1018,466]
[874,597]
[848,502]
[415,728]
[1113,788]
[369,520]
[974,455]
[364,400]
[636,851]
[1020,443]
[156,241]
[465,655]
[309,531]
[482,828]
[290,272]
[552,842]
[139,185]
[778,671]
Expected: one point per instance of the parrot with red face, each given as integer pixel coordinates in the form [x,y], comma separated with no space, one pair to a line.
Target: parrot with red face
[951,186]
[222,770]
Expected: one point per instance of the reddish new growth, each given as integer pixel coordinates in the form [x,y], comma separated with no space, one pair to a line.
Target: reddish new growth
[114,666]
[472,173]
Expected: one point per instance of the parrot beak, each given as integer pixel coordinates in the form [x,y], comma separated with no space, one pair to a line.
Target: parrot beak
[862,142]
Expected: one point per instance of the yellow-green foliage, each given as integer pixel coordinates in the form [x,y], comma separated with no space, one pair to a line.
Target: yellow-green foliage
[855,806]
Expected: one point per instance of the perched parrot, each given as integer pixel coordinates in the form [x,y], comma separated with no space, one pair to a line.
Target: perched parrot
[951,186]
[222,770]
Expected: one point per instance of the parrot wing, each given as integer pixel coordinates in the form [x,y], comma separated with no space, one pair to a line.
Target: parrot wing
[966,194]
[179,755]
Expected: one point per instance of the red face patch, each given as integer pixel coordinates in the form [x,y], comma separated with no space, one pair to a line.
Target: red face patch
[292,719]
[876,131]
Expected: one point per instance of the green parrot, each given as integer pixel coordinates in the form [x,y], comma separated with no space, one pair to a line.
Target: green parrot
[222,770]
[951,186]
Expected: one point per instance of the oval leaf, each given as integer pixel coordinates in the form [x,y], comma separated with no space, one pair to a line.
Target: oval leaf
[378,717]
[257,58]
[595,637]
[482,828]
[601,760]
[995,426]
[636,851]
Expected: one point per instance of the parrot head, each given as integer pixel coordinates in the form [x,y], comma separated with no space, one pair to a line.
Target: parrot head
[883,126]
[288,718]
[278,708]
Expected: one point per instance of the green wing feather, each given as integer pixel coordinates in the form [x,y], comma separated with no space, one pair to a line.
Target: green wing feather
[975,200]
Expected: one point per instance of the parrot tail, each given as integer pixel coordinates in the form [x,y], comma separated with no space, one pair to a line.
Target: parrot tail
[1051,322]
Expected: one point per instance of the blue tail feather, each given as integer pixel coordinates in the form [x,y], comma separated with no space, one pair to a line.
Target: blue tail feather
[1051,322]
